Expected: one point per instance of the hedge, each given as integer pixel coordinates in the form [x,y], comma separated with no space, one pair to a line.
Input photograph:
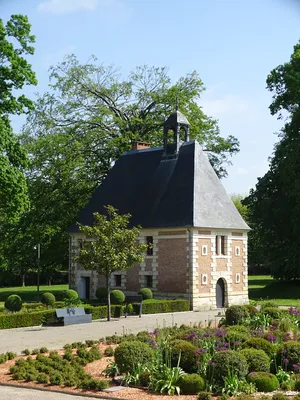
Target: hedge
[163,306]
[20,320]
[101,311]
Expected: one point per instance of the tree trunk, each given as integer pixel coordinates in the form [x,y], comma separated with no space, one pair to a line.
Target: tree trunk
[108,298]
[23,280]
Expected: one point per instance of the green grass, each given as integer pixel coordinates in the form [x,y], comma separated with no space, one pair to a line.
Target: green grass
[264,287]
[29,293]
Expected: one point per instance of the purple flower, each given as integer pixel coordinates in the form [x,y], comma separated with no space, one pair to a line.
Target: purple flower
[285,361]
[283,351]
[206,334]
[271,338]
[296,367]
[155,332]
[191,336]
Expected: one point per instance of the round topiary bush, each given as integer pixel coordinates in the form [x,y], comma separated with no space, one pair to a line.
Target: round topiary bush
[48,299]
[128,354]
[191,384]
[146,293]
[257,360]
[260,344]
[225,362]
[117,297]
[264,381]
[187,353]
[101,294]
[274,312]
[71,295]
[13,303]
[235,314]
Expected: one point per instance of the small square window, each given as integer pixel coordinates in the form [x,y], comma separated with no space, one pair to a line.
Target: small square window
[118,280]
[149,281]
[237,278]
[149,241]
[237,251]
[204,279]
[204,250]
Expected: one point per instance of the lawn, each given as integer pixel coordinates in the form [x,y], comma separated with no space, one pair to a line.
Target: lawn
[29,293]
[264,287]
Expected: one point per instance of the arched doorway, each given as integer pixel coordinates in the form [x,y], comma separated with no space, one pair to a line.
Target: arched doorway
[220,293]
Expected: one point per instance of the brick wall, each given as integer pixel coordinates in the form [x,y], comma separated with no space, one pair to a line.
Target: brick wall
[204,265]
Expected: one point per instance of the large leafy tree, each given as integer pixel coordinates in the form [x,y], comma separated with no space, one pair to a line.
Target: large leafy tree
[274,205]
[110,246]
[15,73]
[88,118]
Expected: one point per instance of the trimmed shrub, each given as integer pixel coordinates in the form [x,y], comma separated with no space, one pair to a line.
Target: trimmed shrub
[257,360]
[117,297]
[146,293]
[10,355]
[109,351]
[26,352]
[264,381]
[48,299]
[3,358]
[191,384]
[163,306]
[204,396]
[8,321]
[43,350]
[274,312]
[235,314]
[101,294]
[42,378]
[100,312]
[267,304]
[225,362]
[129,354]
[260,344]
[71,295]
[56,378]
[13,303]
[186,351]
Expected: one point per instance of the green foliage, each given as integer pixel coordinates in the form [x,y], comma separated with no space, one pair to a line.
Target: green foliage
[274,312]
[128,354]
[260,344]
[10,355]
[296,379]
[191,384]
[166,379]
[236,314]
[71,295]
[110,245]
[13,303]
[280,396]
[16,72]
[117,297]
[43,350]
[226,362]
[264,381]
[48,299]
[26,352]
[3,358]
[204,396]
[274,225]
[242,209]
[146,293]
[185,351]
[42,378]
[109,351]
[257,360]
[56,379]
[19,320]
[163,306]
[290,351]
[101,294]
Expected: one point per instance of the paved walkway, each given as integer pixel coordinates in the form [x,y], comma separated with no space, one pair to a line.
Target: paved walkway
[11,393]
[56,337]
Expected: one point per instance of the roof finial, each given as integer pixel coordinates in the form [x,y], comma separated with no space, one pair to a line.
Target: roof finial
[177,101]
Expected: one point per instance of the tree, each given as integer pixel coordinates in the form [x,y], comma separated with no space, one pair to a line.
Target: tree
[242,208]
[86,121]
[15,72]
[110,246]
[274,204]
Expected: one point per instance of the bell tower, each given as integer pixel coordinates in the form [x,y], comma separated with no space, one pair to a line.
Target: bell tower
[179,126]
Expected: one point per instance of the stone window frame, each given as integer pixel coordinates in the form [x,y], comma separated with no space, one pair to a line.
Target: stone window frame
[204,279]
[221,245]
[237,277]
[204,250]
[150,245]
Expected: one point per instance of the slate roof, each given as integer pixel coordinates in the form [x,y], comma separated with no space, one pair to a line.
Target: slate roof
[158,193]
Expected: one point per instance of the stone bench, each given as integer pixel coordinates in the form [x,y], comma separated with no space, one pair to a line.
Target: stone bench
[74,315]
[133,299]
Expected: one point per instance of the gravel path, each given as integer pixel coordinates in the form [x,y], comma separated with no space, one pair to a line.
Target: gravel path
[11,393]
[56,337]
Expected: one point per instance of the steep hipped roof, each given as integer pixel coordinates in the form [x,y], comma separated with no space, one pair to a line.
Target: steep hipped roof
[165,193]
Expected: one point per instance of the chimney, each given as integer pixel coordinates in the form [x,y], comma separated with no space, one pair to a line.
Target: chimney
[139,145]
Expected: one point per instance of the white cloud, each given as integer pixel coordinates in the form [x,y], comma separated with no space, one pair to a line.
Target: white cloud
[67,6]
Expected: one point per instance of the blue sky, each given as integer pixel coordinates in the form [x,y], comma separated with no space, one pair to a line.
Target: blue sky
[233,44]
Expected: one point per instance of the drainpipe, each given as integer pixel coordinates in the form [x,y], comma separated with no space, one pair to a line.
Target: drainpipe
[191,277]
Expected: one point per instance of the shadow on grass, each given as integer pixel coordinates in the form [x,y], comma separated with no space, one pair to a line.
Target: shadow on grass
[277,290]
